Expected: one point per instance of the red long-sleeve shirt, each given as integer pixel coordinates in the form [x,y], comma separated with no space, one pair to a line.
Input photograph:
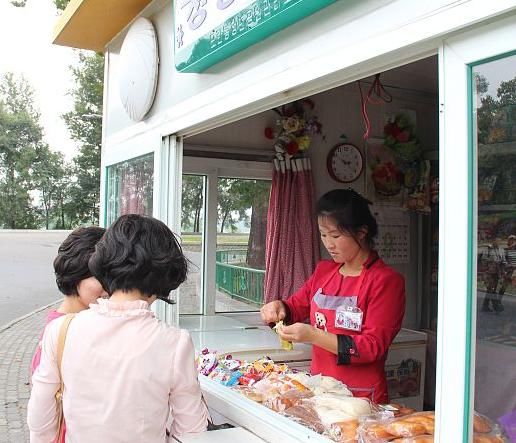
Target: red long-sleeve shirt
[381,298]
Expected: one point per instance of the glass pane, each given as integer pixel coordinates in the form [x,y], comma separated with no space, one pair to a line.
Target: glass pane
[240,258]
[130,187]
[494,103]
[192,235]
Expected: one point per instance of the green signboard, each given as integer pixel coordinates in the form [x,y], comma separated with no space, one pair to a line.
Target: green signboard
[209,31]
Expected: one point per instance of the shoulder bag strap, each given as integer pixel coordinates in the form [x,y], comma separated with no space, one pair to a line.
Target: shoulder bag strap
[59,394]
[61,342]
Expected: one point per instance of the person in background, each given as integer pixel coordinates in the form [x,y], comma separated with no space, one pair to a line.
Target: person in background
[493,259]
[74,278]
[123,370]
[355,303]
[508,271]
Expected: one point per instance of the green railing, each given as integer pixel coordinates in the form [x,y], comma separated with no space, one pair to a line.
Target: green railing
[231,256]
[245,284]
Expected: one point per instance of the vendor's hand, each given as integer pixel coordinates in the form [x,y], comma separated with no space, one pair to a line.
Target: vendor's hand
[298,333]
[273,312]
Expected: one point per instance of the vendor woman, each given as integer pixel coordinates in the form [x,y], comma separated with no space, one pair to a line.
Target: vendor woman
[354,302]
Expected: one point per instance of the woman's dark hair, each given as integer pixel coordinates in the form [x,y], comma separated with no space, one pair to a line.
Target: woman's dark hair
[350,211]
[139,252]
[71,263]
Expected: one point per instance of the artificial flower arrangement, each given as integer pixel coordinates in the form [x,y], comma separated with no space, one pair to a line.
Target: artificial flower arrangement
[397,167]
[400,137]
[294,129]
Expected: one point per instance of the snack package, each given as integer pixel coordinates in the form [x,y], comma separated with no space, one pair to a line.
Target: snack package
[206,362]
[479,437]
[287,345]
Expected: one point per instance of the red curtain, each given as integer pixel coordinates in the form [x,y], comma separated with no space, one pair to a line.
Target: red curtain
[292,246]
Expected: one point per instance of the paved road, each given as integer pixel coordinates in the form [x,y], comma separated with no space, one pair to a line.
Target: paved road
[26,273]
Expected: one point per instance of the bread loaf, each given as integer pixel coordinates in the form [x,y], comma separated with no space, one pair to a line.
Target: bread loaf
[402,428]
[481,424]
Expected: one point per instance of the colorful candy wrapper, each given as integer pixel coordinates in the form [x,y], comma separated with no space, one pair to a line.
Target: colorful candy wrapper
[287,345]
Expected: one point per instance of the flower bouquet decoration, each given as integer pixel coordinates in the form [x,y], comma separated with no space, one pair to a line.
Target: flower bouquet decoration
[294,129]
[401,139]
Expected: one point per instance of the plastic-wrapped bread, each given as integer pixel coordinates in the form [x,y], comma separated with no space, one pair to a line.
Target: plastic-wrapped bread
[402,428]
[424,419]
[344,431]
[375,432]
[305,414]
[487,438]
[335,408]
[481,424]
[418,439]
[286,400]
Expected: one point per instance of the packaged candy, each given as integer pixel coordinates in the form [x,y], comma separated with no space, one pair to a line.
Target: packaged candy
[206,362]
[230,363]
[287,345]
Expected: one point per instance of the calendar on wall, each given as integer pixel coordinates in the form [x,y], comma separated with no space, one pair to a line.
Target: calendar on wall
[393,240]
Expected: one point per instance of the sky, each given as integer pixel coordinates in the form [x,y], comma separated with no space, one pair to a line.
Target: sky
[26,48]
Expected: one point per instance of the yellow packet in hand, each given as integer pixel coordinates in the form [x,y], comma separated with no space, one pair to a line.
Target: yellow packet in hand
[287,345]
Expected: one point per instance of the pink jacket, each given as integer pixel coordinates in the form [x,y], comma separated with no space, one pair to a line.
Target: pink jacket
[124,373]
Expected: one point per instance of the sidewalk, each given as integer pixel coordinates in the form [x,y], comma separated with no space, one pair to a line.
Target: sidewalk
[17,344]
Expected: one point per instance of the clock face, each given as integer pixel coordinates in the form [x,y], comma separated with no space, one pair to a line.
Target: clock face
[345,162]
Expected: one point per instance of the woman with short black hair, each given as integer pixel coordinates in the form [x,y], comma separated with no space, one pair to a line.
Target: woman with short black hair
[74,278]
[125,372]
[355,302]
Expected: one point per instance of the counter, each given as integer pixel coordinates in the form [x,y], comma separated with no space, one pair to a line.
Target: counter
[405,370]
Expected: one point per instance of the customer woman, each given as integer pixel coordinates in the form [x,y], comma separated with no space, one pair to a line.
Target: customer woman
[354,303]
[73,277]
[124,371]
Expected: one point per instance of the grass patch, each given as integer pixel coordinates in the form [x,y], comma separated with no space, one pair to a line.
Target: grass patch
[233,239]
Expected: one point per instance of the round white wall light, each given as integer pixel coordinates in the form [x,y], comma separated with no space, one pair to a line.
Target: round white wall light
[138,76]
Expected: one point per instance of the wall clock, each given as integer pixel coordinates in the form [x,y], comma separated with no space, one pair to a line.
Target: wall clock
[345,162]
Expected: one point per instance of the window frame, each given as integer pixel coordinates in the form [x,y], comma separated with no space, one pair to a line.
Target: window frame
[213,169]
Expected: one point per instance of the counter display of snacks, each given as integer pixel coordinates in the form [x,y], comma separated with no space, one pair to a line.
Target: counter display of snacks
[272,400]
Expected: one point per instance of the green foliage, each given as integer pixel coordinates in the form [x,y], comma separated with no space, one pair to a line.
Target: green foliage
[61,4]
[192,203]
[20,135]
[85,126]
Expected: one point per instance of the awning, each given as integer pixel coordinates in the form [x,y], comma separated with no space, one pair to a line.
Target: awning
[91,24]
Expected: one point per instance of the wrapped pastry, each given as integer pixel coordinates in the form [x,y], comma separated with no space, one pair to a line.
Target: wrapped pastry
[250,393]
[487,438]
[418,439]
[280,403]
[344,431]
[481,423]
[424,419]
[375,432]
[305,414]
[402,428]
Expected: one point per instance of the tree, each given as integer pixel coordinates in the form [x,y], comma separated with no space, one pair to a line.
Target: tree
[51,177]
[85,126]
[20,135]
[192,202]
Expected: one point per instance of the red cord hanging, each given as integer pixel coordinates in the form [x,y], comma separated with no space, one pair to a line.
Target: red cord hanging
[376,95]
